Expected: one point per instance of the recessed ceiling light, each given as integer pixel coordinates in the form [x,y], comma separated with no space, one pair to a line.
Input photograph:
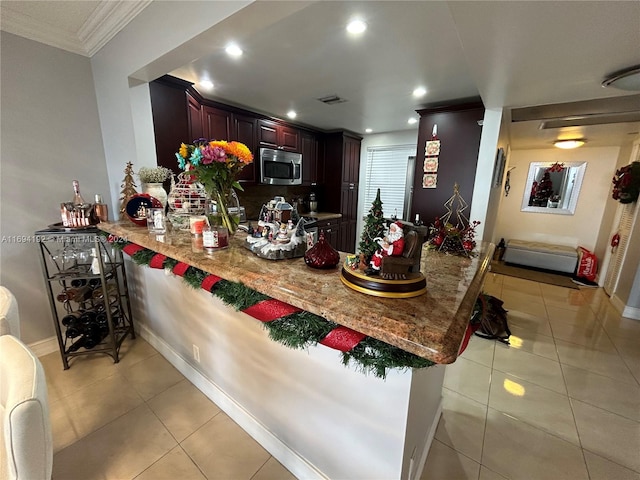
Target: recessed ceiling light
[420,92]
[356,26]
[367,130]
[292,114]
[568,144]
[206,84]
[233,50]
[411,121]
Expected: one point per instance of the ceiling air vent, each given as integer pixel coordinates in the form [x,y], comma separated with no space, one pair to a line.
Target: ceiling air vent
[332,99]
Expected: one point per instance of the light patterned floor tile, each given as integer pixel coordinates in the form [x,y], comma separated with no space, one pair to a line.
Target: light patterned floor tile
[532,323]
[532,368]
[537,310]
[273,470]
[237,455]
[469,379]
[521,285]
[462,424]
[582,316]
[593,336]
[174,465]
[532,404]
[152,376]
[519,300]
[609,364]
[480,350]
[444,462]
[603,392]
[603,469]
[608,434]
[515,449]
[528,341]
[486,474]
[121,450]
[183,409]
[92,407]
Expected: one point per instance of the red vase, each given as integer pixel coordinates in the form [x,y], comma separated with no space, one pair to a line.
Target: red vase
[322,254]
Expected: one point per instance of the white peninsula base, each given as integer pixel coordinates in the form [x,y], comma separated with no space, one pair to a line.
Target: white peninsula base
[317,417]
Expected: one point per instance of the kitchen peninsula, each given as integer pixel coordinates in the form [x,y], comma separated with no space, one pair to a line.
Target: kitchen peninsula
[317,417]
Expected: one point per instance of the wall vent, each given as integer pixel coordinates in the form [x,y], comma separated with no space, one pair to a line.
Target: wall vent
[332,99]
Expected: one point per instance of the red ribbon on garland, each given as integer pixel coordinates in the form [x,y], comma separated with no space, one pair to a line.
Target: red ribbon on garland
[157,261]
[269,310]
[209,281]
[131,249]
[180,269]
[342,338]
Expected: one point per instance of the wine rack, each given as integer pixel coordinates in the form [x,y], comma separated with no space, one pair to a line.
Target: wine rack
[87,288]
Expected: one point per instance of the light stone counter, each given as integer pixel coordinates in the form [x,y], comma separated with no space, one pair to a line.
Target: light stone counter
[431,326]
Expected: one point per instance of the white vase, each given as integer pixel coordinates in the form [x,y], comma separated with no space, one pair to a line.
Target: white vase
[156,190]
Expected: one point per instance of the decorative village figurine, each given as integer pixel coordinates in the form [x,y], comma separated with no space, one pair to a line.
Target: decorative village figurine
[280,233]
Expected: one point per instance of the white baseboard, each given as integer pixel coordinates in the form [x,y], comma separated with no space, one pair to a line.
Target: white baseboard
[617,303]
[631,312]
[293,462]
[427,444]
[44,347]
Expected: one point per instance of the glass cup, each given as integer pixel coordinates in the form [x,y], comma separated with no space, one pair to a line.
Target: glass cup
[156,222]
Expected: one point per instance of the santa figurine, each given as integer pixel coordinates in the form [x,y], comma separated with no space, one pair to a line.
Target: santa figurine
[392,245]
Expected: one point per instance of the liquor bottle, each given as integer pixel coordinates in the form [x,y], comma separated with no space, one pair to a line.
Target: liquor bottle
[77,197]
[101,209]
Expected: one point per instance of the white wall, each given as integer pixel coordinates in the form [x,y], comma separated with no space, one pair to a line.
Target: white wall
[583,227]
[50,136]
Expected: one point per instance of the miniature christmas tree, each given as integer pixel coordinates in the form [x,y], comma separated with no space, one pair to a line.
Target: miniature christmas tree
[128,189]
[374,227]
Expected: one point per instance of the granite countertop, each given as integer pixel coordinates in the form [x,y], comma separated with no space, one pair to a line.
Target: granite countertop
[431,326]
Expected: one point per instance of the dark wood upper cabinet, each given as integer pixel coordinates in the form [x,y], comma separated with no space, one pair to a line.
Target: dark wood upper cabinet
[309,143]
[195,119]
[216,123]
[244,130]
[278,136]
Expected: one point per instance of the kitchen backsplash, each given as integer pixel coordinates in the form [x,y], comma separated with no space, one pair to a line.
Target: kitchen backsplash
[254,196]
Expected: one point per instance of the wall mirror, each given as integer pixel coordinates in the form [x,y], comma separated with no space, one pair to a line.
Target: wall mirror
[553,187]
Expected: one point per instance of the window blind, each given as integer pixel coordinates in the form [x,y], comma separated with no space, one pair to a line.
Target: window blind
[387,170]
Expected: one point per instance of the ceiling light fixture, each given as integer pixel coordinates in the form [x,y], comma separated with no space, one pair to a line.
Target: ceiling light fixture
[206,84]
[627,79]
[569,144]
[367,130]
[420,92]
[411,121]
[292,114]
[233,50]
[356,26]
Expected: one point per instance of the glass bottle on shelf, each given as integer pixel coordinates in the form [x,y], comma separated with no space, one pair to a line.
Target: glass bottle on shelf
[77,197]
[101,209]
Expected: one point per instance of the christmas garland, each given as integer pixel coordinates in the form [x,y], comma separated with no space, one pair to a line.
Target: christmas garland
[285,323]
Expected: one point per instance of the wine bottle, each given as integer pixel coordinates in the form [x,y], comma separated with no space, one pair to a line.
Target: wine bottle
[94,335]
[77,197]
[101,209]
[88,317]
[74,330]
[79,294]
[78,344]
[70,319]
[78,282]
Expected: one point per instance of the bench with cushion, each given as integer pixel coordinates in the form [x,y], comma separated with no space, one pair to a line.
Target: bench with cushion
[560,258]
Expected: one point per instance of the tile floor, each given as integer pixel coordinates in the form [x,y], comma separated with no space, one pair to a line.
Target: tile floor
[563,402]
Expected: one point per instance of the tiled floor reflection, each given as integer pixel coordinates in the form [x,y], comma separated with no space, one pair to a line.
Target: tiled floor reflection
[562,402]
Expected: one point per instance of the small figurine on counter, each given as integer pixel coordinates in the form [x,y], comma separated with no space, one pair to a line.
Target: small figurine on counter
[391,245]
[283,235]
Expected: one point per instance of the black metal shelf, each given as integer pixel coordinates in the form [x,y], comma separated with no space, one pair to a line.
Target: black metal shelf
[66,255]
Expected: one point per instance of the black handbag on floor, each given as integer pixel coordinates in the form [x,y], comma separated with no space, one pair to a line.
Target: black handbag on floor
[491,319]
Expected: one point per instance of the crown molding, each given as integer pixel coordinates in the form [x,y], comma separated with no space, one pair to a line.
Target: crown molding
[106,21]
[102,25]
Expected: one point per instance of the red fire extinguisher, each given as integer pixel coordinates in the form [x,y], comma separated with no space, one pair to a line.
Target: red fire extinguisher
[615,241]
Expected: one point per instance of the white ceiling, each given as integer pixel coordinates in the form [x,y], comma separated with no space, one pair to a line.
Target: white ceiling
[511,54]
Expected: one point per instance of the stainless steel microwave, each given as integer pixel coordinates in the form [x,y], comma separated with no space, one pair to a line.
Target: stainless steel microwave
[278,167]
